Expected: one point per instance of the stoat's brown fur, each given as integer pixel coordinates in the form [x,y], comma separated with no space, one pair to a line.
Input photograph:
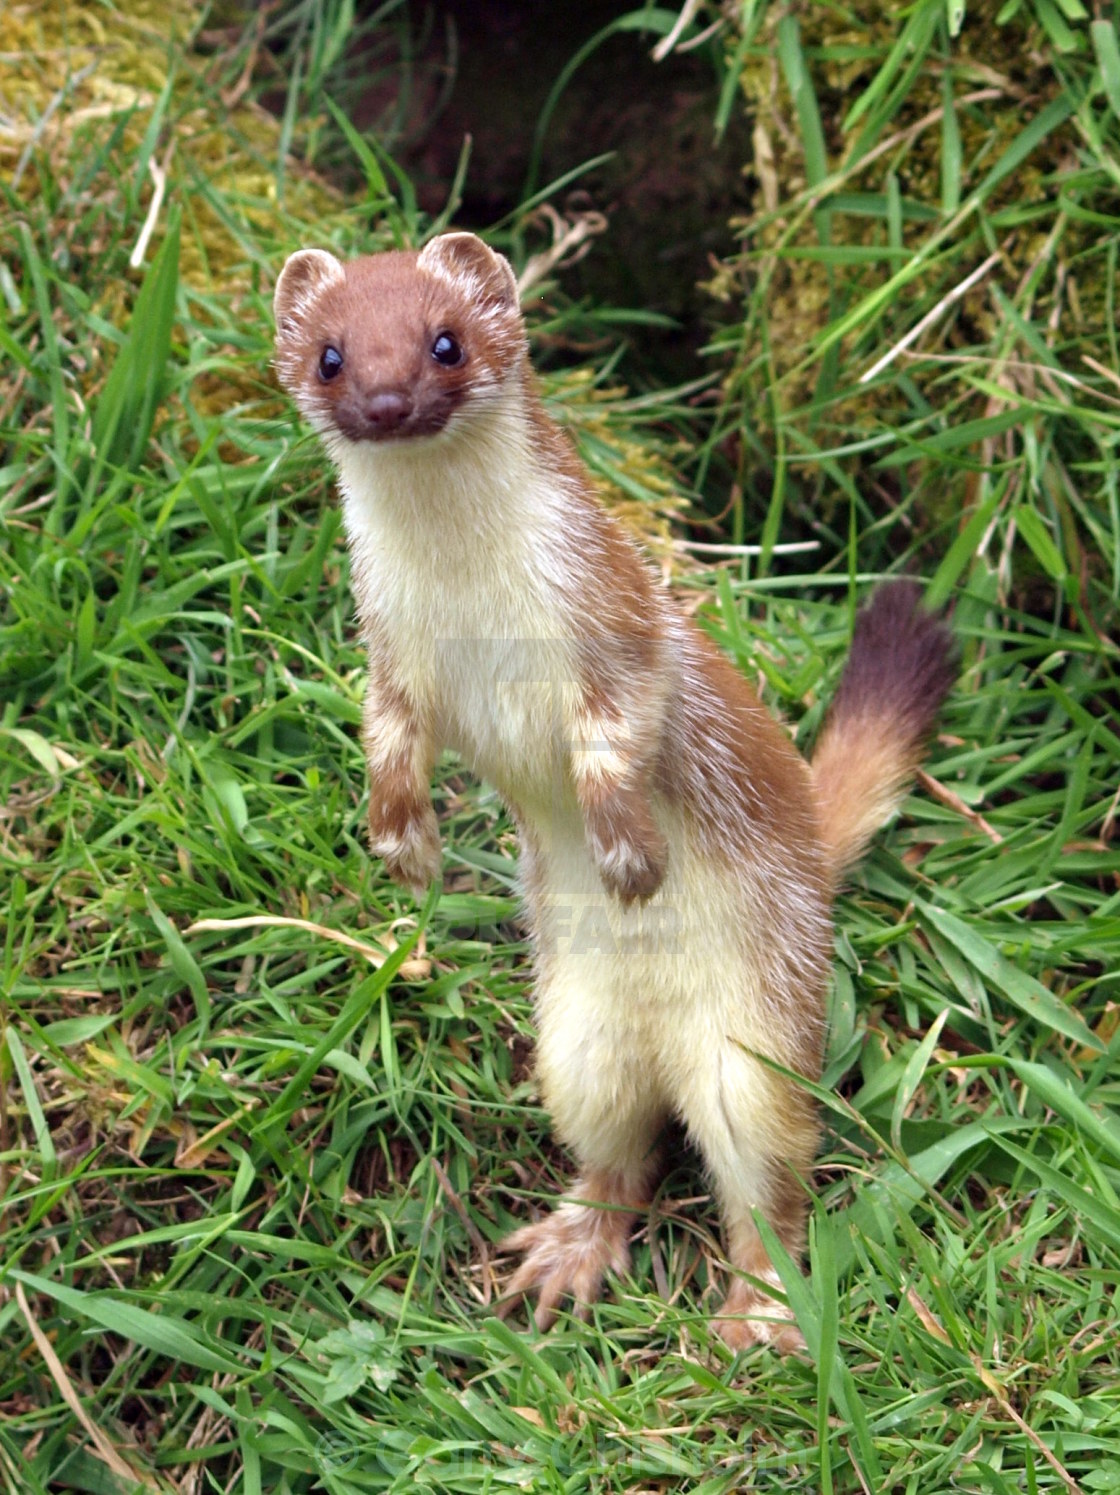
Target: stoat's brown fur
[678,856]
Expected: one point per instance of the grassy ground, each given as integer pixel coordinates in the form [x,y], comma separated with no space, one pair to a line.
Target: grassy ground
[263,1119]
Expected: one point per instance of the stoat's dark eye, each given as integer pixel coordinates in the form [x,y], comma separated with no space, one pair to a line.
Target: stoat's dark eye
[330,362]
[447,351]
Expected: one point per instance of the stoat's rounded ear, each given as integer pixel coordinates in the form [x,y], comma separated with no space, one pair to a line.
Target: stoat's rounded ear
[305,276]
[465,257]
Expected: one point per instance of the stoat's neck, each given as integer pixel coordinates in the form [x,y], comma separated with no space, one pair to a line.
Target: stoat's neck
[477,532]
[468,486]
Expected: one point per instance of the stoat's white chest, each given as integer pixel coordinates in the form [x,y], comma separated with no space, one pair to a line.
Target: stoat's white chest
[461,566]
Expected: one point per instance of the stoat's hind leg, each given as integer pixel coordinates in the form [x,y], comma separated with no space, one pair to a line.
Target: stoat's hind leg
[757,1133]
[570,1251]
[749,1314]
[606,1107]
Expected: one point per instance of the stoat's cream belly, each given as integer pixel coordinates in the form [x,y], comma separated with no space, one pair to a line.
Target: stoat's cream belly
[502,704]
[647,998]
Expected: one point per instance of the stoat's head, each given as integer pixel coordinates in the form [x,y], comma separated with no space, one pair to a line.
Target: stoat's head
[397,346]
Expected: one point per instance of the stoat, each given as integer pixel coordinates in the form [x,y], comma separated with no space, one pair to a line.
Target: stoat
[678,856]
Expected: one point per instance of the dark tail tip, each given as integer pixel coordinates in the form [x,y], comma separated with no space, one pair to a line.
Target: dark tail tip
[902,662]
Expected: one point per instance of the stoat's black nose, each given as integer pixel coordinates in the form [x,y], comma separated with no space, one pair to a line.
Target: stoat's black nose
[388,410]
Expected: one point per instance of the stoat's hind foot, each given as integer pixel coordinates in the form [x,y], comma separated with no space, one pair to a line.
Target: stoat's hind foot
[567,1254]
[749,1317]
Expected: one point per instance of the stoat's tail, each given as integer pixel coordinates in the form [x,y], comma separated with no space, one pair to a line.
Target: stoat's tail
[900,668]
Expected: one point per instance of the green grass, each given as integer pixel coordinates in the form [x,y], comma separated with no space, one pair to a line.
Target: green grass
[253,1177]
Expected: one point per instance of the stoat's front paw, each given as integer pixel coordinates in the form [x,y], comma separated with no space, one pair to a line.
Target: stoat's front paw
[411,850]
[633,869]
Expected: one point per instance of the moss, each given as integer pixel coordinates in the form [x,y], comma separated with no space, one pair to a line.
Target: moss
[83,83]
[829,281]
[1002,75]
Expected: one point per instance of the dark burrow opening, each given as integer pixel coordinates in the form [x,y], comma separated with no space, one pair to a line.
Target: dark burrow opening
[444,70]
